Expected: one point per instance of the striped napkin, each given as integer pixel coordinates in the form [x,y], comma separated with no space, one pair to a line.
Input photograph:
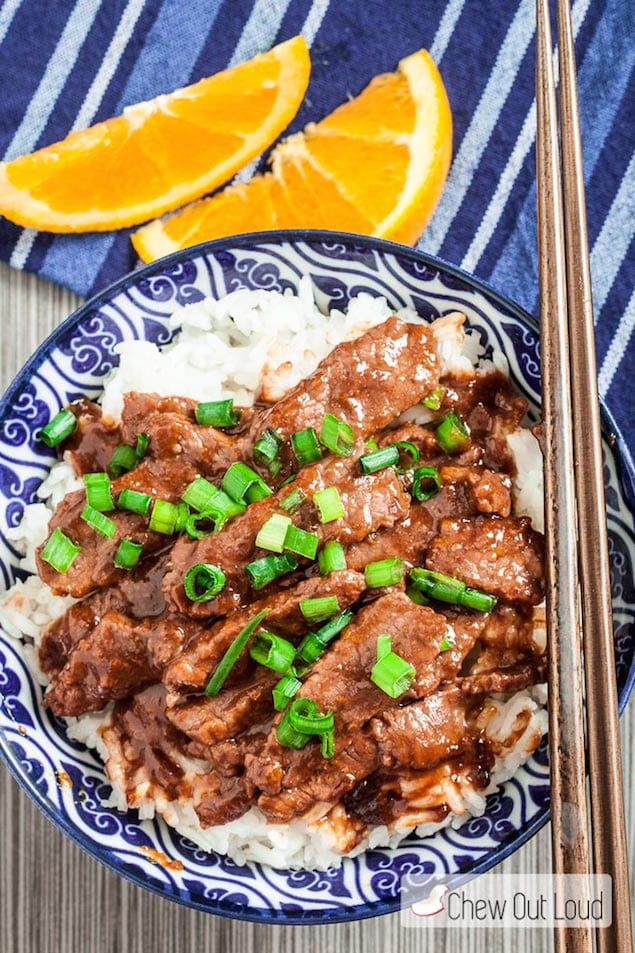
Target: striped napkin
[65,65]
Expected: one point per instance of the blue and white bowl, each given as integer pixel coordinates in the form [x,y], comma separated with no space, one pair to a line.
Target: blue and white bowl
[72,362]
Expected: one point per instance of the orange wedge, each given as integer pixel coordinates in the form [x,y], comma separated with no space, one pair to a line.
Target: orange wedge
[159,154]
[377,166]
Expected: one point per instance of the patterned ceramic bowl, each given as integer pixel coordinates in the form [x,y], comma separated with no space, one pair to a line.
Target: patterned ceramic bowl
[72,362]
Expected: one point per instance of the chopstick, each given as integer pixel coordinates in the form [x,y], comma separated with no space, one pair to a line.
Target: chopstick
[573,468]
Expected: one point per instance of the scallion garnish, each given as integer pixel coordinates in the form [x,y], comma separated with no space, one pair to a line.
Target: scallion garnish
[426,483]
[271,534]
[384,572]
[182,515]
[301,542]
[306,446]
[391,673]
[272,651]
[284,690]
[301,721]
[436,585]
[336,435]
[59,428]
[123,459]
[198,525]
[416,596]
[97,521]
[135,502]
[329,504]
[331,557]
[267,448]
[163,517]
[314,643]
[243,484]
[449,640]
[98,492]
[453,435]
[141,446]
[408,455]
[319,609]
[199,493]
[292,503]
[217,413]
[379,459]
[59,551]
[263,571]
[433,400]
[228,660]
[203,581]
[128,554]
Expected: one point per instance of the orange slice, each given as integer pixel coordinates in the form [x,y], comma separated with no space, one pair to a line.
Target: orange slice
[377,166]
[159,154]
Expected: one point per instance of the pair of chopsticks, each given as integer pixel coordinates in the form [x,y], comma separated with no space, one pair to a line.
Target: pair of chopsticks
[577,570]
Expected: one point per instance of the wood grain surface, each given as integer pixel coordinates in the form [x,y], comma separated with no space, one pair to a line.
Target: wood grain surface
[56,899]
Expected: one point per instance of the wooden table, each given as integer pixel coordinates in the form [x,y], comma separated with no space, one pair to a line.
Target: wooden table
[55,899]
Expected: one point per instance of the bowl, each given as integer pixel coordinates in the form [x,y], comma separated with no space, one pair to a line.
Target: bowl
[66,780]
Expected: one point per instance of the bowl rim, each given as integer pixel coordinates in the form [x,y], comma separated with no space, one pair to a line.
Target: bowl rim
[626,476]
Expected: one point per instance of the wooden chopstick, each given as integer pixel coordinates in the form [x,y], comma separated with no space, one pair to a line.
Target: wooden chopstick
[569,392]
[605,766]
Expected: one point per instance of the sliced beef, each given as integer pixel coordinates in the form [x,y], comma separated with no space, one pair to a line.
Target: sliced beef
[502,556]
[407,539]
[506,680]
[487,402]
[490,492]
[94,439]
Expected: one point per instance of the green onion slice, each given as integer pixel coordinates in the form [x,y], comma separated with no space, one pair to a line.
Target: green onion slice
[453,435]
[449,640]
[267,448]
[301,542]
[329,504]
[271,534]
[379,459]
[243,484]
[426,483]
[141,446]
[306,446]
[134,501]
[314,643]
[319,609]
[284,690]
[98,492]
[433,400]
[228,660]
[123,459]
[384,572]
[416,596]
[301,721]
[59,428]
[408,453]
[198,525]
[263,571]
[292,503]
[59,551]
[217,413]
[383,646]
[182,514]
[128,554]
[163,517]
[331,557]
[328,743]
[97,521]
[336,435]
[199,493]
[436,585]
[392,674]
[272,651]
[203,581]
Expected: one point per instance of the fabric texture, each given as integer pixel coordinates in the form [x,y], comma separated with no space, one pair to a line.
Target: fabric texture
[65,65]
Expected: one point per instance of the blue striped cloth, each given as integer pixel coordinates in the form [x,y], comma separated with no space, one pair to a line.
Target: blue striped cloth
[65,65]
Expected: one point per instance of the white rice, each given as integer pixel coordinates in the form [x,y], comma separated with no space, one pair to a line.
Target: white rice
[248,345]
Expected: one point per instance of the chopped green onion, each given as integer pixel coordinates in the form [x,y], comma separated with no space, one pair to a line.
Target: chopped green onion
[301,721]
[272,533]
[203,581]
[385,572]
[217,413]
[182,514]
[436,585]
[433,400]
[134,502]
[263,571]
[305,446]
[266,450]
[300,542]
[293,502]
[336,435]
[199,493]
[310,648]
[163,517]
[379,459]
[272,651]
[393,674]
[59,428]
[243,484]
[314,643]
[329,504]
[198,525]
[225,506]
[97,521]
[416,596]
[123,459]
[453,436]
[319,609]
[98,493]
[60,551]
[284,690]
[426,483]
[331,557]
[141,446]
[287,735]
[407,449]
[371,444]
[383,645]
[128,554]
[449,640]
[328,743]
[228,660]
